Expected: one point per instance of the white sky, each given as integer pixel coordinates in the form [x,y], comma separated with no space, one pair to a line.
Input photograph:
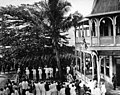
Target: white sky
[82,6]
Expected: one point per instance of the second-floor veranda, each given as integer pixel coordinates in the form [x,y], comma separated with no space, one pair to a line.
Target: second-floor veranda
[100,31]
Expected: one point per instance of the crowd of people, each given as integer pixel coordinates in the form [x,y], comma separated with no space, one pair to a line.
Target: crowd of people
[39,73]
[43,81]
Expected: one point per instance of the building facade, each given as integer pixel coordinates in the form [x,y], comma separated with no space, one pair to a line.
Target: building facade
[98,42]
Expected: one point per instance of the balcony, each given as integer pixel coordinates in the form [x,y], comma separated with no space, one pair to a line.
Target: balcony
[118,40]
[94,41]
[107,41]
[80,39]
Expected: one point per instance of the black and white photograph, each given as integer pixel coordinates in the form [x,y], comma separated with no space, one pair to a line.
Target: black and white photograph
[59,47]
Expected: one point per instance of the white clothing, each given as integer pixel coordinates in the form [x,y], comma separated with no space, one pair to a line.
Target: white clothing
[20,85]
[68,69]
[62,91]
[40,73]
[34,71]
[27,93]
[18,71]
[40,87]
[97,91]
[81,84]
[16,92]
[51,72]
[43,88]
[103,89]
[34,74]
[12,93]
[53,89]
[91,86]
[48,93]
[37,89]
[46,72]
[72,90]
[56,69]
[27,71]
[24,85]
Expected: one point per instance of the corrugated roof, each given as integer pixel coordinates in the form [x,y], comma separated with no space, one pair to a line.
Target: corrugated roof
[103,6]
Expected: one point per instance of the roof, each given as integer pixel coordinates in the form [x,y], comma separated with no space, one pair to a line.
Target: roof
[102,14]
[84,21]
[105,6]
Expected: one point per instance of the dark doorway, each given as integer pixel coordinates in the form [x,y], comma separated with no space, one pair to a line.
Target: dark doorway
[117,61]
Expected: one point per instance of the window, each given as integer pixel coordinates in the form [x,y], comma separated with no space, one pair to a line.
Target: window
[93,29]
[106,27]
[118,26]
[87,32]
[107,62]
[102,66]
[80,33]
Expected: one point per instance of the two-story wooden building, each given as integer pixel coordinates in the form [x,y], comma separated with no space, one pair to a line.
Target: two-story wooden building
[98,42]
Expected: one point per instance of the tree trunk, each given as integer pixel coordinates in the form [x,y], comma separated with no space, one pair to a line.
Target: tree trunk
[58,63]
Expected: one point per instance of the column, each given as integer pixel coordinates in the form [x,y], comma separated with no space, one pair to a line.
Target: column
[114,31]
[111,68]
[98,30]
[90,28]
[84,62]
[104,68]
[98,70]
[92,67]
[81,61]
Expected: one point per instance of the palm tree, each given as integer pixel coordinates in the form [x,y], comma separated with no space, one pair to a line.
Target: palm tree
[57,24]
[44,23]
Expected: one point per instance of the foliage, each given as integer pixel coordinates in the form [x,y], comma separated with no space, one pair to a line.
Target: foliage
[34,31]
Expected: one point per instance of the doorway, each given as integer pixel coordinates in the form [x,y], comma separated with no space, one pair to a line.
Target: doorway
[117,61]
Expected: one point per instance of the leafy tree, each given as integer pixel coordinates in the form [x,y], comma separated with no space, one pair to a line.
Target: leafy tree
[29,28]
[23,31]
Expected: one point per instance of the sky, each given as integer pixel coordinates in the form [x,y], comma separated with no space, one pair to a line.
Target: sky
[82,6]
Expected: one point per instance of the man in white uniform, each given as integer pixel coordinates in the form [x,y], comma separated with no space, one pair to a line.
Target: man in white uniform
[68,69]
[46,72]
[27,72]
[24,85]
[51,72]
[40,73]
[34,74]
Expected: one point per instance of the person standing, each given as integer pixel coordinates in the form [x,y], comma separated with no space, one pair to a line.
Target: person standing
[103,88]
[43,88]
[24,86]
[114,81]
[62,90]
[27,72]
[46,72]
[40,73]
[73,90]
[37,88]
[68,69]
[78,88]
[16,91]
[34,74]
[97,91]
[51,72]
[67,90]
[47,89]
